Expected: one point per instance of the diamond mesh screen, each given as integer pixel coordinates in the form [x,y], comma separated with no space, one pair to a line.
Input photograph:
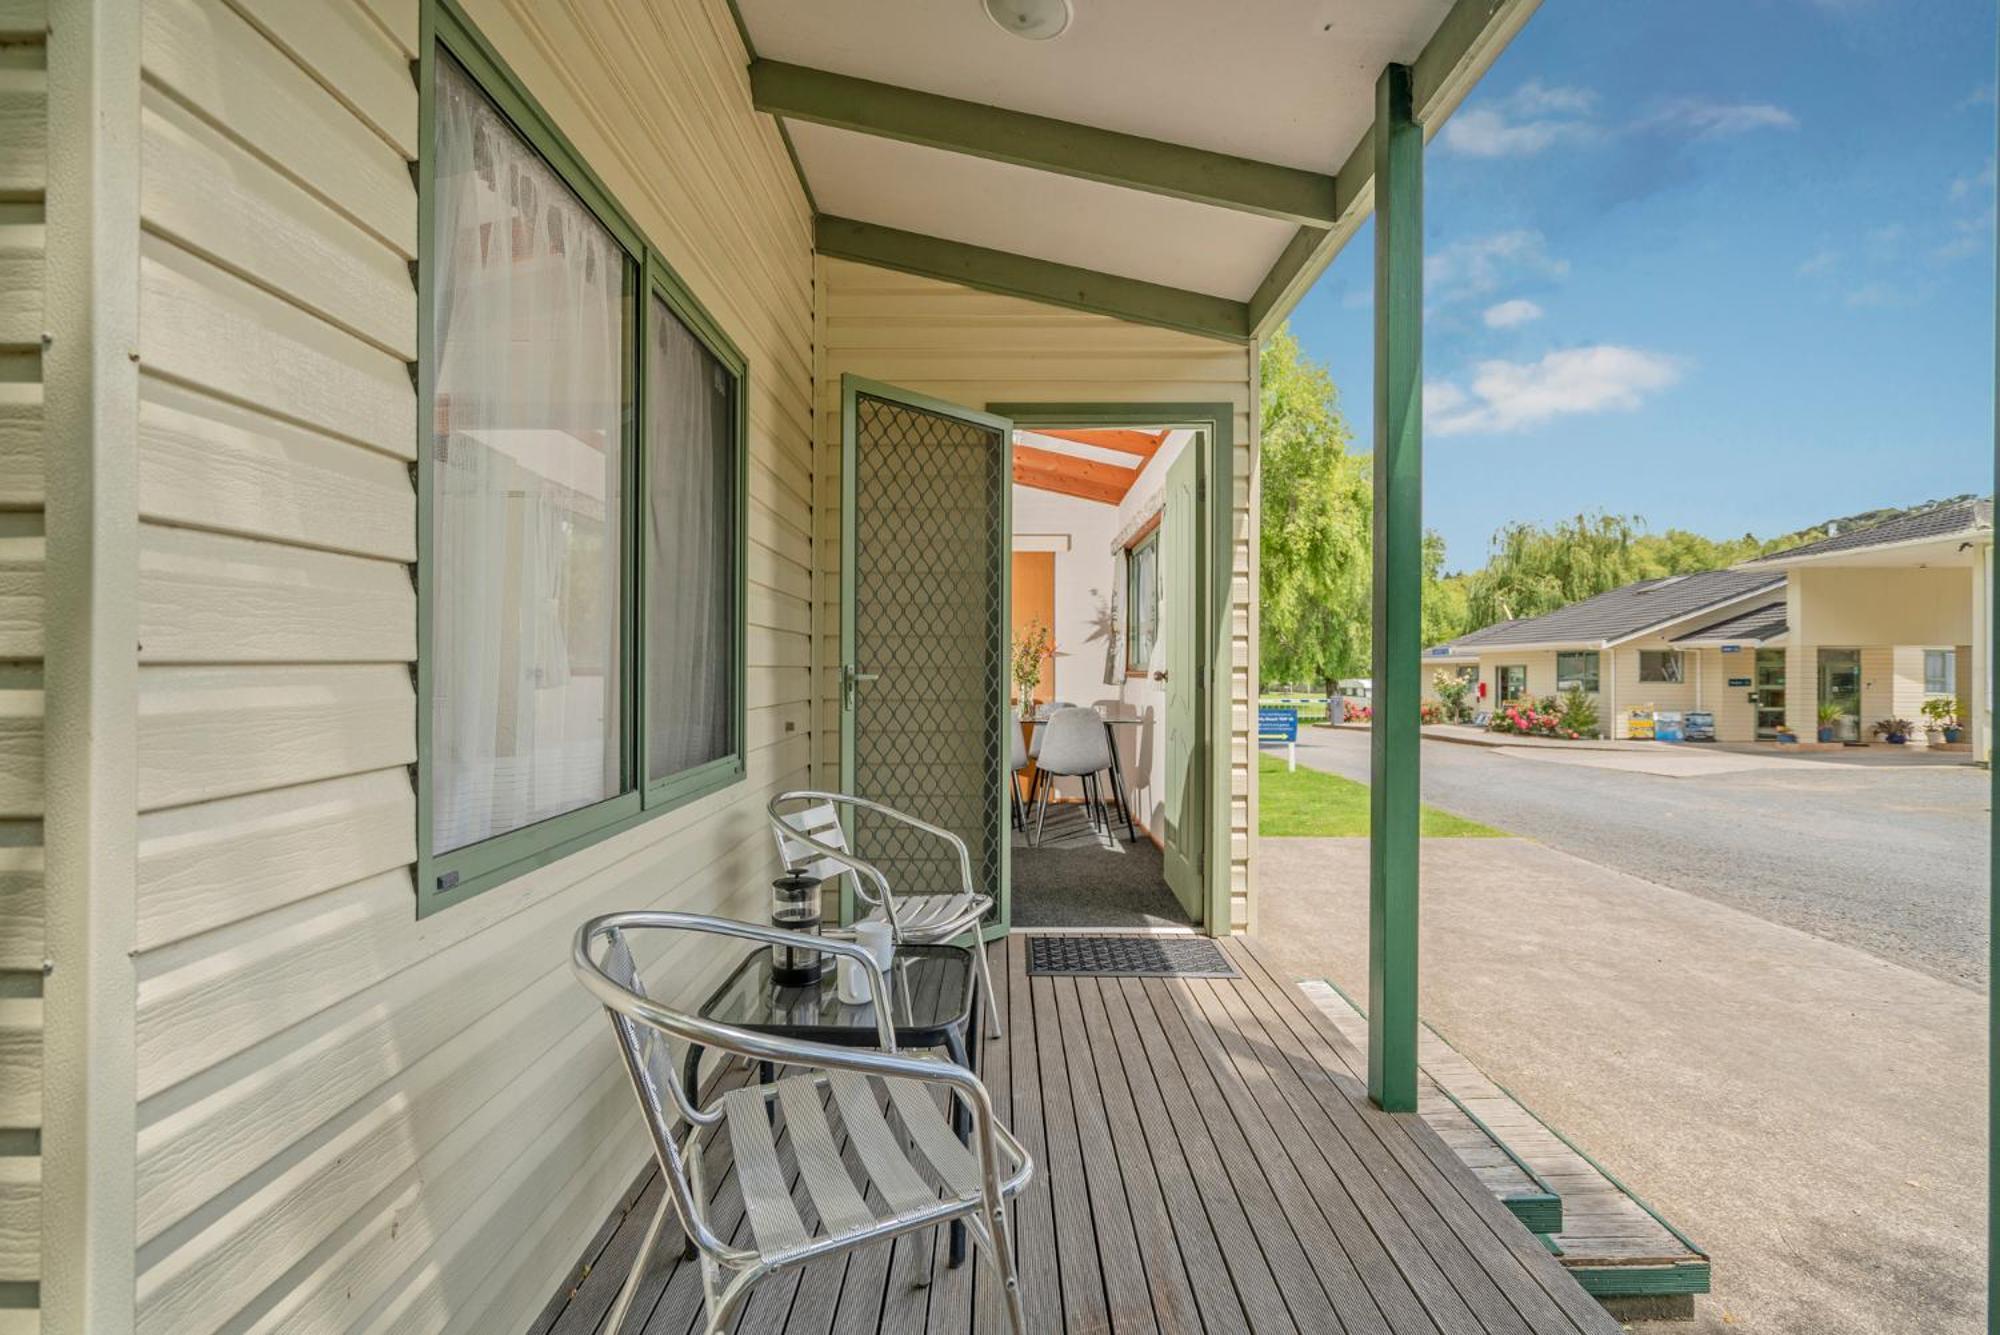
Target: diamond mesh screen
[928,622]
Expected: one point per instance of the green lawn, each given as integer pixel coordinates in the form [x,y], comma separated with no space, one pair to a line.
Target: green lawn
[1312,803]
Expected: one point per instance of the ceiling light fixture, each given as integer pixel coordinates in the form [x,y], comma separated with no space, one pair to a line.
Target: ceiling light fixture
[1036,20]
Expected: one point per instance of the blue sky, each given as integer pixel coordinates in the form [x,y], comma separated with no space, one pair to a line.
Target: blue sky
[1723,264]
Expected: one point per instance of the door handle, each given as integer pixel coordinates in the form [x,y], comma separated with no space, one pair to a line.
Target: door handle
[1161,675]
[850,676]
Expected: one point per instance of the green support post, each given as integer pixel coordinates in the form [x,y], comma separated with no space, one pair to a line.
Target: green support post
[1398,684]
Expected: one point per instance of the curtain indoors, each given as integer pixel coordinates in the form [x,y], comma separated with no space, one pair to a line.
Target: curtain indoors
[691,517]
[528,430]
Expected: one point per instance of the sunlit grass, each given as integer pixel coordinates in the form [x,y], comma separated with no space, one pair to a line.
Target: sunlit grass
[1309,803]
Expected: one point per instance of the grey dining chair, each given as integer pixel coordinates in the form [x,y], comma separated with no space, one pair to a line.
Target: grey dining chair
[811,837]
[1076,745]
[914,1174]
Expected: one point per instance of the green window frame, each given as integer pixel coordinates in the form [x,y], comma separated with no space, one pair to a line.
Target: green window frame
[450,877]
[1511,682]
[1139,640]
[1577,667]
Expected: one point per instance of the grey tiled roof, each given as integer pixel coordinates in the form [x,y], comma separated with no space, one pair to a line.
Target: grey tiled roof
[1759,624]
[1942,522]
[1626,611]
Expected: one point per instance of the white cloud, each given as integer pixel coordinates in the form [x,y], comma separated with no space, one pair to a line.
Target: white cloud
[1706,119]
[1972,183]
[1528,120]
[1508,314]
[1818,262]
[1508,396]
[1476,267]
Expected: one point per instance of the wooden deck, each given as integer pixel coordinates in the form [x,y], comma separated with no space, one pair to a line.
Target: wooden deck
[1206,1159]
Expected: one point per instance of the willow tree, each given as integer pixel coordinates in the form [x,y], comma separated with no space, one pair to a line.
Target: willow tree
[1316,564]
[1533,570]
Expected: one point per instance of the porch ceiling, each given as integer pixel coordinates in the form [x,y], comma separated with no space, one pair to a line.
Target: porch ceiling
[1175,162]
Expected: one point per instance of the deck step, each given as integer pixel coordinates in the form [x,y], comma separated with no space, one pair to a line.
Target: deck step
[1612,1242]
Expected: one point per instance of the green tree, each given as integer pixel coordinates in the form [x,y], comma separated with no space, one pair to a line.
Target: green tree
[1534,570]
[1315,560]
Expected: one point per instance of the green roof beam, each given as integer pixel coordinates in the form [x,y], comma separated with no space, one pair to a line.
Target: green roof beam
[1109,157]
[1034,279]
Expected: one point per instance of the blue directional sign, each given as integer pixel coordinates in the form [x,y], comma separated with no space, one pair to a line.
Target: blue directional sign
[1277,725]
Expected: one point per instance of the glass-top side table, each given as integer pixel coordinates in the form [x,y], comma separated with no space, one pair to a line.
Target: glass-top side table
[931,1000]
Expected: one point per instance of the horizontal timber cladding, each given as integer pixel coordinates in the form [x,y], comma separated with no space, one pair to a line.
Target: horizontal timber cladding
[23,553]
[975,348]
[350,1118]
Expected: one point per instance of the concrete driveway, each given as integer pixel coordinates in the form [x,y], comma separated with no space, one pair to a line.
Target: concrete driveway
[1810,1113]
[1889,859]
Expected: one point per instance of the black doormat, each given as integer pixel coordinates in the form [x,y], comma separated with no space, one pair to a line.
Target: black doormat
[1129,956]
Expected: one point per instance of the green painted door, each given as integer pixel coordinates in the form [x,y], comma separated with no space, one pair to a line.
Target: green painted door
[923,634]
[1180,633]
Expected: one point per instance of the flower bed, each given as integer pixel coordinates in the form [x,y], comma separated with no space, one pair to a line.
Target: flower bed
[1527,720]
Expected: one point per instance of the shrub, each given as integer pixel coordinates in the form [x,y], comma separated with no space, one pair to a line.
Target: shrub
[1577,714]
[1353,713]
[1451,692]
[1538,718]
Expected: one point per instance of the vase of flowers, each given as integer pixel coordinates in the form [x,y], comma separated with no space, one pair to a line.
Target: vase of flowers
[1034,645]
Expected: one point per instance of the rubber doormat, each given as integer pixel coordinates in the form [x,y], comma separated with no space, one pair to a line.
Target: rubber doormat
[1129,957]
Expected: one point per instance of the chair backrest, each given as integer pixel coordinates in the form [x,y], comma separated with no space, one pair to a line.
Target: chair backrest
[1020,760]
[1076,743]
[821,823]
[652,1034]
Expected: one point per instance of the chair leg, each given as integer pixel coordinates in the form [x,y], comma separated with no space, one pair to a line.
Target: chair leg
[1045,782]
[1014,800]
[993,1028]
[1002,1255]
[619,1309]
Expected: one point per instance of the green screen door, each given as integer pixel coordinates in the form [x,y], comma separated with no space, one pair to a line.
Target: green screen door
[923,634]
[1181,637]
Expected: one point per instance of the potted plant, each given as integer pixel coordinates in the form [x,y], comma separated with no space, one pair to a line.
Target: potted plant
[1032,646]
[1894,731]
[1941,718]
[1830,715]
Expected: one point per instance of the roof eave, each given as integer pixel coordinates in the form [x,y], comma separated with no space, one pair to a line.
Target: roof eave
[1708,609]
[1975,535]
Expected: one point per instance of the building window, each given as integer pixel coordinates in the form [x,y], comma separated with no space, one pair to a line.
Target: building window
[1661,665]
[1577,669]
[1940,672]
[580,488]
[531,393]
[1142,602]
[1513,682]
[693,511]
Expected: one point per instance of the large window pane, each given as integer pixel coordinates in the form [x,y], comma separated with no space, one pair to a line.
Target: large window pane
[691,526]
[1142,603]
[529,355]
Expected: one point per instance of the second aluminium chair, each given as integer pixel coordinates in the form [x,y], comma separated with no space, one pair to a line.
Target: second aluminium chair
[810,836]
[915,1172]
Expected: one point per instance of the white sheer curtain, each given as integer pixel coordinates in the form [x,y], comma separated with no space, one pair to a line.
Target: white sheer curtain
[691,512]
[528,429]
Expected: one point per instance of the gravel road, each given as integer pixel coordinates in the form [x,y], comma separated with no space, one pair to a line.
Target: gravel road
[1891,861]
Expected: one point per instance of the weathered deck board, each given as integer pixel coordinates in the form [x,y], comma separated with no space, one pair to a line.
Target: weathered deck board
[1604,1229]
[1205,1160]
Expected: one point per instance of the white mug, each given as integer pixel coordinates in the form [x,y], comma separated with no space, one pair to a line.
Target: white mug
[874,936]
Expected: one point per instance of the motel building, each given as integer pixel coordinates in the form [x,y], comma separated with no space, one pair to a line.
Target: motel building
[1872,622]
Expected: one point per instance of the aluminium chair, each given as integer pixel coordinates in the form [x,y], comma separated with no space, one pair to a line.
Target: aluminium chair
[915,1173]
[807,827]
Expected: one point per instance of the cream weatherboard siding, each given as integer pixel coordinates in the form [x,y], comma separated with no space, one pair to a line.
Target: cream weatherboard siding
[349,1118]
[976,348]
[23,163]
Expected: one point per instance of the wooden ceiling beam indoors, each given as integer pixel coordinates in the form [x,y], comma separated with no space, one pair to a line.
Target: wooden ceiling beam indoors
[1086,478]
[1142,444]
